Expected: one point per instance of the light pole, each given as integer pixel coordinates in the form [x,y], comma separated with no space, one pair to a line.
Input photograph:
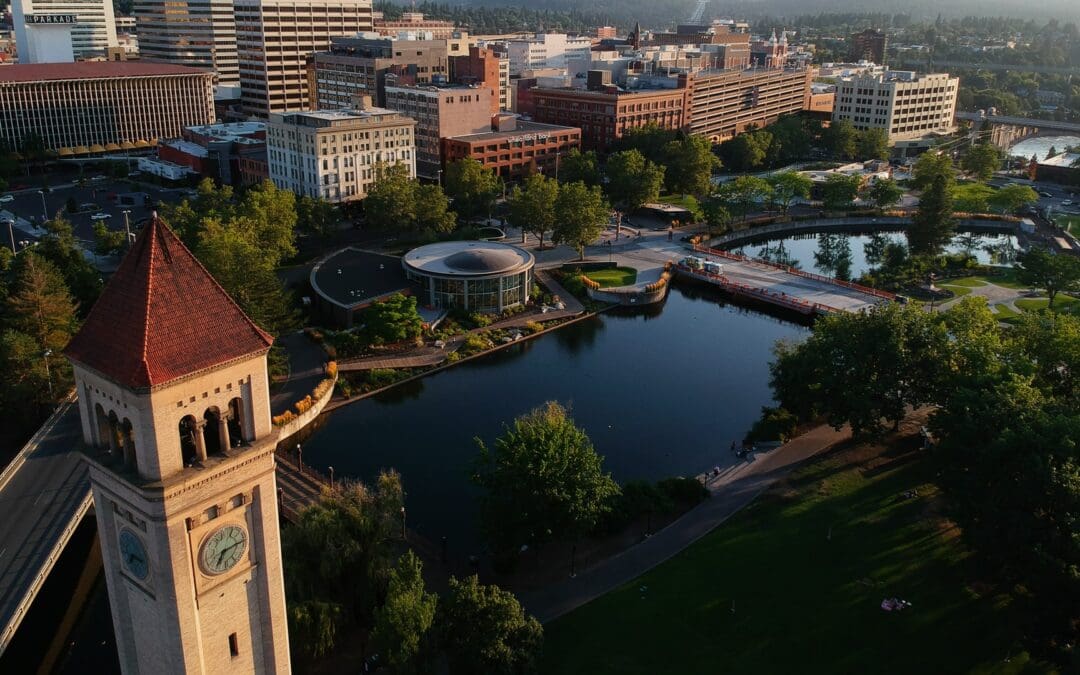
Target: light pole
[127,228]
[11,233]
[44,207]
[300,458]
[403,522]
[331,477]
[438,177]
[48,375]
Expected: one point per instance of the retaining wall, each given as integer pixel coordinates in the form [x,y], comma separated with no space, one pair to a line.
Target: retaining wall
[308,416]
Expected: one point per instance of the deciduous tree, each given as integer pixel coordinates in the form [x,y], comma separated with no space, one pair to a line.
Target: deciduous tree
[390,203]
[981,161]
[840,191]
[1012,198]
[932,225]
[402,624]
[1053,273]
[433,209]
[787,186]
[884,192]
[689,163]
[485,630]
[542,480]
[632,181]
[532,206]
[393,320]
[744,194]
[472,187]
[580,216]
[578,166]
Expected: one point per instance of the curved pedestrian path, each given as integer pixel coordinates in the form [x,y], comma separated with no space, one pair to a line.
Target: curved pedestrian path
[730,492]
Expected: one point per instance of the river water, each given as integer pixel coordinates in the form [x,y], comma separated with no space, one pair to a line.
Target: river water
[661,392]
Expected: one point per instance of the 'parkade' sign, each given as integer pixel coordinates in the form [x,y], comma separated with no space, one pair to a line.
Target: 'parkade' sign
[35,19]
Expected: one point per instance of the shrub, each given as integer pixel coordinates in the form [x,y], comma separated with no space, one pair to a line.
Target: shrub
[533,326]
[681,490]
[384,377]
[481,320]
[775,424]
[331,368]
[304,404]
[474,344]
[283,419]
[322,389]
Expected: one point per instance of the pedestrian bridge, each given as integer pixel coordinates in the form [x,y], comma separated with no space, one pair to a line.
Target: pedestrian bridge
[779,285]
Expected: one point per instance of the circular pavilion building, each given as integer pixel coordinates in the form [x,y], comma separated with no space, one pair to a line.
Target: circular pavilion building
[479,276]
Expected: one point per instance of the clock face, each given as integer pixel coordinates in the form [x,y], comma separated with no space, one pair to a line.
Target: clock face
[133,555]
[223,549]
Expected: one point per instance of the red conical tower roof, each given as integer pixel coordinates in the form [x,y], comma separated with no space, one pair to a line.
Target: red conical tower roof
[162,316]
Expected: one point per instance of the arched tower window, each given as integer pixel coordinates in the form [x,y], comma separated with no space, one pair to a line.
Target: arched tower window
[215,431]
[127,439]
[114,432]
[102,422]
[191,441]
[236,422]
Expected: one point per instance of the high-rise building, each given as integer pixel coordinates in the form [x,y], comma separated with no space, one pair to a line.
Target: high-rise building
[906,105]
[197,33]
[441,112]
[42,28]
[723,104]
[869,45]
[173,395]
[274,39]
[333,154]
[102,106]
[546,50]
[355,67]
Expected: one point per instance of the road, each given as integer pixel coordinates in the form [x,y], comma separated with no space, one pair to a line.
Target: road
[40,498]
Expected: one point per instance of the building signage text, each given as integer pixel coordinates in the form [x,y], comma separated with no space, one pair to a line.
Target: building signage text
[38,19]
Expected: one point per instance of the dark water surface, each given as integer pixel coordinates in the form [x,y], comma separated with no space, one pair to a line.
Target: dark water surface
[661,394]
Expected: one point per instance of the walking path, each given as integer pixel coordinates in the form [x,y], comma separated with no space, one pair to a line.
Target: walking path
[306,360]
[730,492]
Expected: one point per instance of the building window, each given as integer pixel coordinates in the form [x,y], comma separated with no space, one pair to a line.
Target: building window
[234,645]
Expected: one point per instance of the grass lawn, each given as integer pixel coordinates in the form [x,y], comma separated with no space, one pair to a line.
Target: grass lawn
[958,291]
[969,282]
[618,276]
[793,584]
[1004,313]
[686,201]
[1007,278]
[1070,223]
[1062,303]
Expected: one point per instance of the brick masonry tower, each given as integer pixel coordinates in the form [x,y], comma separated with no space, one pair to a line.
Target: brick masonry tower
[173,394]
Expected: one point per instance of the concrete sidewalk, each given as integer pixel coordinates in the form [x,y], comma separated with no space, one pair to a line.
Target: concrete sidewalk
[730,492]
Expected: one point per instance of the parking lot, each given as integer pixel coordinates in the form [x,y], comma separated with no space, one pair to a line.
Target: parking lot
[100,195]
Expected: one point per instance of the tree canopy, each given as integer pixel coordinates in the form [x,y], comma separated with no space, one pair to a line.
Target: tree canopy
[577,166]
[532,206]
[542,480]
[787,186]
[884,192]
[932,225]
[981,161]
[1051,272]
[485,630]
[392,320]
[689,163]
[472,187]
[632,180]
[580,216]
[840,191]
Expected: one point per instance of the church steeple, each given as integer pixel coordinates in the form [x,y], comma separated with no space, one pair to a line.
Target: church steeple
[635,37]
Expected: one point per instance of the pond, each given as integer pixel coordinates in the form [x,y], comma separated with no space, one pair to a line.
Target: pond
[823,253]
[661,394]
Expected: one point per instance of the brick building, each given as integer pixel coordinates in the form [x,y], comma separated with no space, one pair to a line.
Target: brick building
[414,22]
[232,153]
[604,115]
[441,112]
[480,67]
[869,45]
[515,148]
[357,66]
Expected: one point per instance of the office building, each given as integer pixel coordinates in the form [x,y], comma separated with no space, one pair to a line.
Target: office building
[274,39]
[723,104]
[355,67]
[870,45]
[232,153]
[101,106]
[44,27]
[333,154]
[546,50]
[476,276]
[514,148]
[196,33]
[605,113]
[440,112]
[908,106]
[482,67]
[414,22]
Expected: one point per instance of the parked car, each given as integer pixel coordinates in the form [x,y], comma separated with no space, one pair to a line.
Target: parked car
[6,199]
[1066,202]
[1046,194]
[100,216]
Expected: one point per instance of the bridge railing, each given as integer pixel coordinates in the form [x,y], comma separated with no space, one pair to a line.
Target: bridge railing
[18,460]
[797,272]
[772,297]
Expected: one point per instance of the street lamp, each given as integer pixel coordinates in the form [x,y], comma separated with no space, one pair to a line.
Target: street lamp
[44,207]
[48,375]
[11,233]
[331,477]
[300,458]
[438,177]
[402,522]
[127,227]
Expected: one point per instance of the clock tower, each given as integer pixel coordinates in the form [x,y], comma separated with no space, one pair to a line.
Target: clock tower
[174,400]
